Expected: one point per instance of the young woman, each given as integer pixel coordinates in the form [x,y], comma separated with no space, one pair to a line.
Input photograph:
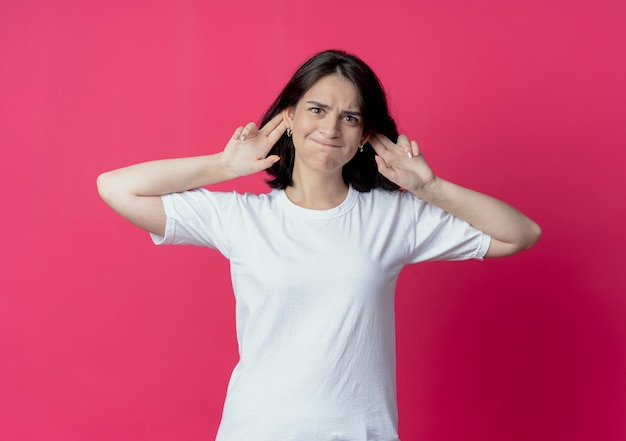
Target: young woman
[315,261]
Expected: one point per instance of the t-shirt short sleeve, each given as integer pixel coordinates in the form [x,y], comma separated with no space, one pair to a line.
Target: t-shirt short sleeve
[197,217]
[442,236]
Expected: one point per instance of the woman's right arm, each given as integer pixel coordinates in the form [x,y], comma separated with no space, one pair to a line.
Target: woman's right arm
[135,191]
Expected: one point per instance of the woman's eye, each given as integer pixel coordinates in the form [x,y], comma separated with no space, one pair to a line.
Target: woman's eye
[316,110]
[350,119]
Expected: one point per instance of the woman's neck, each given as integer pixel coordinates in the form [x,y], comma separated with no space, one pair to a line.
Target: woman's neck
[321,192]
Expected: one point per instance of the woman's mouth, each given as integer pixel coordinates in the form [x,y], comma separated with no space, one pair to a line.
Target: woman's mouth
[325,144]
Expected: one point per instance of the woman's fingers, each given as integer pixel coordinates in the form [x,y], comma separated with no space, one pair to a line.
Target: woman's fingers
[407,146]
[383,142]
[397,162]
[272,125]
[403,141]
[274,135]
[377,143]
[238,132]
[248,130]
[415,148]
[403,147]
[273,130]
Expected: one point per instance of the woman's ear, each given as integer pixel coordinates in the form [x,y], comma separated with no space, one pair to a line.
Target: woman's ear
[365,137]
[288,116]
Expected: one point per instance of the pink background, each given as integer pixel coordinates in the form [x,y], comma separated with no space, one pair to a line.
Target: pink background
[105,337]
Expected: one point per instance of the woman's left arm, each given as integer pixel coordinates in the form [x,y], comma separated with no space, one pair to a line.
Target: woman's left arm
[511,231]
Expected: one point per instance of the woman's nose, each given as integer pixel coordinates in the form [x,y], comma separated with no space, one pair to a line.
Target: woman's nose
[330,127]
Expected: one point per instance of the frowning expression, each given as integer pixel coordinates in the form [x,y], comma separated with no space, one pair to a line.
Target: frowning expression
[327,125]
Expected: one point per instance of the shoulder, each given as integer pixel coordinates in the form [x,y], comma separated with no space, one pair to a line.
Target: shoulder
[204,200]
[401,203]
[394,197]
[205,195]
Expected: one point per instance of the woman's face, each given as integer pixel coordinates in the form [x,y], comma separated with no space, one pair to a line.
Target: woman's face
[327,125]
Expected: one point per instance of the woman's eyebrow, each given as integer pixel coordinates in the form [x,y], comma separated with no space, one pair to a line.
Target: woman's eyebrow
[326,106]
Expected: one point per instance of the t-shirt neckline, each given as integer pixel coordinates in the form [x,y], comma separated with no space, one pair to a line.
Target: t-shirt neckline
[341,209]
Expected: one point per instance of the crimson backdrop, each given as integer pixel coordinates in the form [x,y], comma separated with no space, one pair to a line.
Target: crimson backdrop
[105,337]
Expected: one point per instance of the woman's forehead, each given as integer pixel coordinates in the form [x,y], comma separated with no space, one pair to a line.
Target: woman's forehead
[334,90]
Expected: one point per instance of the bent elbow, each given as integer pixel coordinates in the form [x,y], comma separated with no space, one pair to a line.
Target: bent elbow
[527,237]
[533,235]
[103,184]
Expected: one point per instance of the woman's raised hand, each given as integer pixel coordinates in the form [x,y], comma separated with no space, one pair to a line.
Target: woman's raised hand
[246,152]
[402,162]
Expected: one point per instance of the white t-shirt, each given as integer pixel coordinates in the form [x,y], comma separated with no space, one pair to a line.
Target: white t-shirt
[315,304]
